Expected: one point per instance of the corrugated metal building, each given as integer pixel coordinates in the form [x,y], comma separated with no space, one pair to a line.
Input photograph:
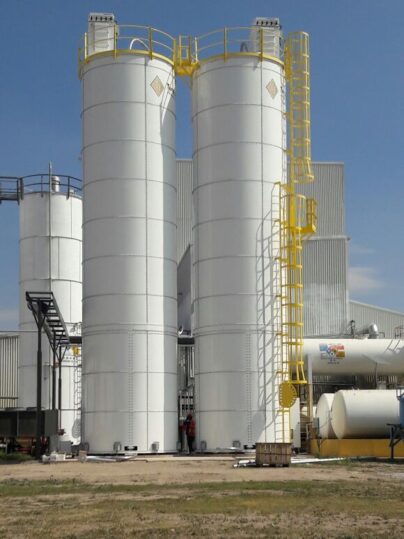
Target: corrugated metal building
[327,309]
[184,206]
[324,256]
[325,260]
[391,323]
[8,370]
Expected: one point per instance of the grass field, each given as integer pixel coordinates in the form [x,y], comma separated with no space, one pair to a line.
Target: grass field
[72,508]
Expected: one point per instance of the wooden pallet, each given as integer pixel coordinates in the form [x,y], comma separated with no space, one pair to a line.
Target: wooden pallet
[273,454]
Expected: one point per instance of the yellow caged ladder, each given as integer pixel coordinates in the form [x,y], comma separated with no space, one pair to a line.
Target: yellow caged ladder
[297,216]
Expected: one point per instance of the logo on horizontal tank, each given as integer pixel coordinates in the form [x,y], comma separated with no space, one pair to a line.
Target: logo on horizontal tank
[332,352]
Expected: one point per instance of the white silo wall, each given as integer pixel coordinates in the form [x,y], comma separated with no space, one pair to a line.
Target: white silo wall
[55,266]
[239,155]
[129,262]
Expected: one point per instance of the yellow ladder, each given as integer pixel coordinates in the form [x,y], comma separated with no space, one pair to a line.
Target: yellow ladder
[297,216]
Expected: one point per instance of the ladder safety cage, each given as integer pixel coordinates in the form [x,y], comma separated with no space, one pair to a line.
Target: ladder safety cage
[297,219]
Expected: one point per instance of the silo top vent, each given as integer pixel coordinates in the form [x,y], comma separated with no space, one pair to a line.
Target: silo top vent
[101,17]
[265,21]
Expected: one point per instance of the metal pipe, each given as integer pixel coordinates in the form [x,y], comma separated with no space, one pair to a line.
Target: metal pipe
[54,374]
[39,388]
[60,386]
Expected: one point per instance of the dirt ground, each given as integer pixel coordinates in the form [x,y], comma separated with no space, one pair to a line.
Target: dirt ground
[201,497]
[162,470]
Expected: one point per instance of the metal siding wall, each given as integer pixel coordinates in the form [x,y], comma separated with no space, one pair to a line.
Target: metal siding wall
[324,281]
[324,259]
[385,319]
[8,370]
[328,190]
[184,206]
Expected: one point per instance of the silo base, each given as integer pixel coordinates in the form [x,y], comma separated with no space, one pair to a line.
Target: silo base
[355,448]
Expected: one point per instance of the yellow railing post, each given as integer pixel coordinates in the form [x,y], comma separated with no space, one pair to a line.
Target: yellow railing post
[85,46]
[115,41]
[150,42]
[196,49]
[225,44]
[261,30]
[189,56]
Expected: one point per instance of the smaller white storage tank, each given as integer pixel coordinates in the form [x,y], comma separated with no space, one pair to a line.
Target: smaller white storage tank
[364,413]
[50,219]
[323,414]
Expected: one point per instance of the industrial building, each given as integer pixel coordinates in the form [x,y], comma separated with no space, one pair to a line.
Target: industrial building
[215,286]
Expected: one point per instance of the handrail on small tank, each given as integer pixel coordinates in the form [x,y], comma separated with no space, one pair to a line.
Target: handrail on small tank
[18,186]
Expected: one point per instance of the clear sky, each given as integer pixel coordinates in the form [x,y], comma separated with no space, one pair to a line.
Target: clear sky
[357,67]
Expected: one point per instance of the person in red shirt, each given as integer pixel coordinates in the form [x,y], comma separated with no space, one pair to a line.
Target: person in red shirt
[190,427]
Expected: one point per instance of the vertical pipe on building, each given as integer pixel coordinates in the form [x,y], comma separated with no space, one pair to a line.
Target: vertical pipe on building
[39,384]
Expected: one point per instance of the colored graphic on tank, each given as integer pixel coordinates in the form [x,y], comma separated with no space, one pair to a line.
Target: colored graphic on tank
[332,353]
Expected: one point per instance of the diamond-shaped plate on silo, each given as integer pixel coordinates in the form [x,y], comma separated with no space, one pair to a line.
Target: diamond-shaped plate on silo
[272,88]
[157,86]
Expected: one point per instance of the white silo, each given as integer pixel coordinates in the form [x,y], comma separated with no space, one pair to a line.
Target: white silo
[129,260]
[238,116]
[50,260]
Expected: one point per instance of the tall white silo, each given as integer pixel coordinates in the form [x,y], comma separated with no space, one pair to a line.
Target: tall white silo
[129,260]
[238,116]
[50,260]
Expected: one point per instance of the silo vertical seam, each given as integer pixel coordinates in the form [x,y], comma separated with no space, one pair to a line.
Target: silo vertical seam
[130,388]
[248,389]
[146,253]
[261,254]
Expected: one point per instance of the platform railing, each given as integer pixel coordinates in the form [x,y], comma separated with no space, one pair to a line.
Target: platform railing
[14,188]
[128,39]
[184,53]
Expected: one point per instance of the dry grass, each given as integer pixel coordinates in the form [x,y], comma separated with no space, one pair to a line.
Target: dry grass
[299,508]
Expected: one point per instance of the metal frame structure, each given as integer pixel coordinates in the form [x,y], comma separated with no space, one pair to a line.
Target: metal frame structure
[48,318]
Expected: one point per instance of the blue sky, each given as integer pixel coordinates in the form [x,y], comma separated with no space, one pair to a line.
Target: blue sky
[357,59]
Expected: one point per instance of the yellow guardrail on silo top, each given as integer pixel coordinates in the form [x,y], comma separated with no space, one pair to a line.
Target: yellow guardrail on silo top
[128,39]
[186,53]
[256,42]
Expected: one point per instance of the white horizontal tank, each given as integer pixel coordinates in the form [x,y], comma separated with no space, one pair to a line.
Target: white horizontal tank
[50,260]
[129,262]
[238,117]
[354,356]
[364,413]
[323,414]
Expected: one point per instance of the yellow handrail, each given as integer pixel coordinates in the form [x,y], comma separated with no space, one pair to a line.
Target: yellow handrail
[154,44]
[186,57]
